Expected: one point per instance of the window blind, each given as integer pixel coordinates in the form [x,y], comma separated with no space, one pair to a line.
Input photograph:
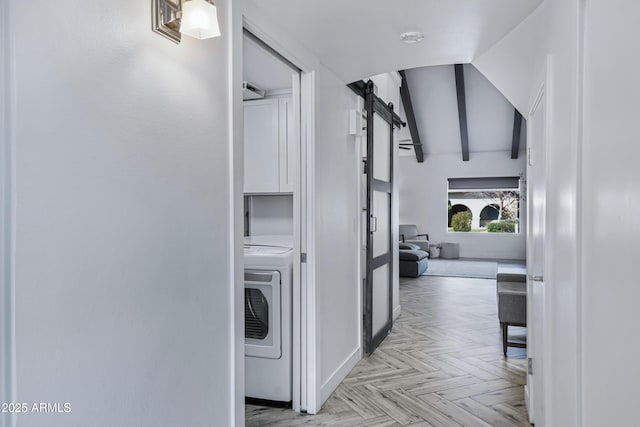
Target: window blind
[496,183]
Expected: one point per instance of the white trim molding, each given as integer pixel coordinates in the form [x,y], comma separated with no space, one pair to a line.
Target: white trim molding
[7,208]
[308,101]
[340,374]
[236,224]
[396,312]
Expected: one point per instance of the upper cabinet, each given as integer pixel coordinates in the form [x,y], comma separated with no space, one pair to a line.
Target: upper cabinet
[269,146]
[261,151]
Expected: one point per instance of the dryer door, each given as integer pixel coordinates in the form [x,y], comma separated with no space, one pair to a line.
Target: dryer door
[262,315]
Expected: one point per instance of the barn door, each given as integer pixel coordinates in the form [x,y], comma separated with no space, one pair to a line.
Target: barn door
[379,176]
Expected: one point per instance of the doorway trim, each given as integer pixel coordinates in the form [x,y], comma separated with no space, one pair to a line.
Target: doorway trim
[7,208]
[544,87]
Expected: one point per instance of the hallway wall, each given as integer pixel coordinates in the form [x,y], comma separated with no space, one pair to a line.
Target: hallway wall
[123,220]
[7,217]
[610,227]
[337,243]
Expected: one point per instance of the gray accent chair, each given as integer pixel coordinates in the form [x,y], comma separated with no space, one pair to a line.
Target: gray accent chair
[413,261]
[512,305]
[409,234]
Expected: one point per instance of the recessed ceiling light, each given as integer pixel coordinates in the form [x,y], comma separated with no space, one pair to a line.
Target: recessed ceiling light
[412,37]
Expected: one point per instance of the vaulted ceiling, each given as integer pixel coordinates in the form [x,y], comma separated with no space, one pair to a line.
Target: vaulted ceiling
[490,116]
[360,38]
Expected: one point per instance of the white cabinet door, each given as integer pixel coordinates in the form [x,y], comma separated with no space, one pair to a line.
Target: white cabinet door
[287,146]
[261,147]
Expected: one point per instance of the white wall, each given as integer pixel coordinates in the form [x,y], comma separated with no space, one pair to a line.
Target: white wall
[7,217]
[610,228]
[423,200]
[270,215]
[337,215]
[513,63]
[123,221]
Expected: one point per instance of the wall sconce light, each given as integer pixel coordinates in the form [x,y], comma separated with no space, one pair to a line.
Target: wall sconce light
[195,18]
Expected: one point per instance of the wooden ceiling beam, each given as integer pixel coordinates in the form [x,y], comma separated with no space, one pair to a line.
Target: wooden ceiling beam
[462,111]
[405,95]
[517,130]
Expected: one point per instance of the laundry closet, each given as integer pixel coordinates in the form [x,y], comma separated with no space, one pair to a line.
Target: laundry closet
[271,153]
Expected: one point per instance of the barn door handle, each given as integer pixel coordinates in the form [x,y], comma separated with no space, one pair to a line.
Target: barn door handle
[374,224]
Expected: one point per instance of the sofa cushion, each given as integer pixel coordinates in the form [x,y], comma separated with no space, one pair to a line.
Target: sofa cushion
[423,245]
[409,246]
[412,255]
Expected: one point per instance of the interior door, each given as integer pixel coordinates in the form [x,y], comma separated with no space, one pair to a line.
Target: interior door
[536,301]
[379,259]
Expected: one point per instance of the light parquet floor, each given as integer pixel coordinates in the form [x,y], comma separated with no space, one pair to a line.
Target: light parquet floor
[441,365]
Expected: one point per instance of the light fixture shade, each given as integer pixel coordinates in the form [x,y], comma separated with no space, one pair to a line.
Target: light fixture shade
[199,19]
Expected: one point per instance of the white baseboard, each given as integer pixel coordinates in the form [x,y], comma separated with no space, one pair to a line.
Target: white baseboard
[396,312]
[527,403]
[339,374]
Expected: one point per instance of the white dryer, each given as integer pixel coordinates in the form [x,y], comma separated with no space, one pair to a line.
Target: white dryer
[268,274]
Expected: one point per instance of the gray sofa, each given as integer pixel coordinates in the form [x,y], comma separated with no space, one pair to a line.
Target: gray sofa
[409,234]
[413,260]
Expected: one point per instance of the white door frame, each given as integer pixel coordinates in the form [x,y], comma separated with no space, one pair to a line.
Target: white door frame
[539,357]
[306,396]
[7,208]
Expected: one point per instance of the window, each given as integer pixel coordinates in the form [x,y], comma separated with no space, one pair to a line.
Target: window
[484,205]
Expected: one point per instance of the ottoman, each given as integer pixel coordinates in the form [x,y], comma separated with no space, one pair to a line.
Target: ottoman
[512,309]
[449,250]
[413,262]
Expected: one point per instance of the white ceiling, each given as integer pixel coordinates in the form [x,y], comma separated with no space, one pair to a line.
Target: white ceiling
[360,38]
[434,99]
[263,69]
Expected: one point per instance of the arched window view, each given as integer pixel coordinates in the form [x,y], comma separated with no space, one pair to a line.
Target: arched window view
[484,205]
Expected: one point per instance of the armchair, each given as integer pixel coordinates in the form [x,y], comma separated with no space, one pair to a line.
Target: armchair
[409,234]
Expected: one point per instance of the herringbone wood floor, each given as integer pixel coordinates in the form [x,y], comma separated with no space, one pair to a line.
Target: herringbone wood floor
[442,365]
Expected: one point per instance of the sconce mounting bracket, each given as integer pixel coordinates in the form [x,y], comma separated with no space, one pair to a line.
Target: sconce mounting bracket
[166,18]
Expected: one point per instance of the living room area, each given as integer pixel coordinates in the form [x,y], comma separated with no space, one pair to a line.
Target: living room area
[467,195]
[463,205]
